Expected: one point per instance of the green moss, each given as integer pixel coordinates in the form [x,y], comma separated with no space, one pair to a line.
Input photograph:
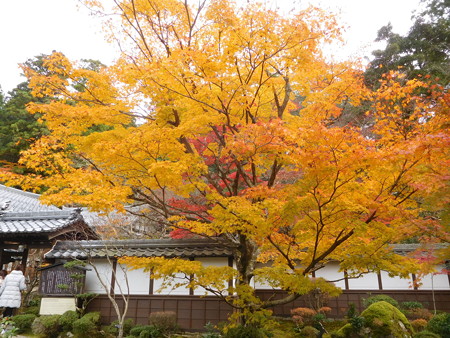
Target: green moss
[385,320]
[46,326]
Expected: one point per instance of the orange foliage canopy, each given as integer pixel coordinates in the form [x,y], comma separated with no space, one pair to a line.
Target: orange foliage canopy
[220,120]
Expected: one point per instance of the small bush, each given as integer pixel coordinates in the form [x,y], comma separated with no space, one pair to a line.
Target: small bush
[379,298]
[23,322]
[148,331]
[87,325]
[67,319]
[309,332]
[242,331]
[166,322]
[46,326]
[419,324]
[128,324]
[411,305]
[211,331]
[440,324]
[426,334]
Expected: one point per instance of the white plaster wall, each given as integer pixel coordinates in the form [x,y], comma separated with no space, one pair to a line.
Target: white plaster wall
[138,281]
[210,261]
[92,280]
[395,283]
[436,282]
[368,281]
[331,272]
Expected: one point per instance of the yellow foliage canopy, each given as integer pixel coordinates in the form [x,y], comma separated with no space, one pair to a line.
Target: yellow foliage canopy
[224,121]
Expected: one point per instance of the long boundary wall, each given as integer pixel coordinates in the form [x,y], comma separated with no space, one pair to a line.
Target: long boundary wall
[194,312]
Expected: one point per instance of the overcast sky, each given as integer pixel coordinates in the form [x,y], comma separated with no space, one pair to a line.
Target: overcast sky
[32,27]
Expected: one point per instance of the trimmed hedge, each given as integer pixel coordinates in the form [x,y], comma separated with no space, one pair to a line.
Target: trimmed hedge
[87,325]
[23,322]
[67,319]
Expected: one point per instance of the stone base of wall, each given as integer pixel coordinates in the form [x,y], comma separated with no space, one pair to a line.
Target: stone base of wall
[194,312]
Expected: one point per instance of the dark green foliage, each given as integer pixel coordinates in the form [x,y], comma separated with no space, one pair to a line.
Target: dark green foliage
[23,322]
[166,322]
[18,128]
[149,331]
[242,331]
[34,310]
[46,326]
[67,319]
[357,323]
[440,324]
[426,334]
[87,325]
[411,305]
[425,50]
[384,320]
[351,312]
[380,298]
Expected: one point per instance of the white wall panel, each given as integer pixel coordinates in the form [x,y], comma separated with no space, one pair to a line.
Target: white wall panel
[367,281]
[395,283]
[104,272]
[138,280]
[436,282]
[331,272]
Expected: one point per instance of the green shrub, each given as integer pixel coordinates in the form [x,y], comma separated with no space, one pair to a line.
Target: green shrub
[440,324]
[34,310]
[67,319]
[241,331]
[148,331]
[211,331]
[166,322]
[23,322]
[379,298]
[87,325]
[426,334]
[46,326]
[411,305]
[309,332]
[386,320]
[128,324]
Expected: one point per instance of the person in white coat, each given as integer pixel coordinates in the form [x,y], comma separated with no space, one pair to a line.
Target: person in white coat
[10,296]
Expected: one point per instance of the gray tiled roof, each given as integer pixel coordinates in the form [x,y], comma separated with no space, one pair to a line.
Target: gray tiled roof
[139,248]
[22,213]
[22,201]
[36,222]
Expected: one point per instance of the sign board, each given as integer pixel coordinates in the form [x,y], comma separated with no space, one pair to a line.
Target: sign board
[59,281]
[56,305]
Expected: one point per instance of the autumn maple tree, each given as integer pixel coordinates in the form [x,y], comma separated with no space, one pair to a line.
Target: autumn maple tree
[219,122]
